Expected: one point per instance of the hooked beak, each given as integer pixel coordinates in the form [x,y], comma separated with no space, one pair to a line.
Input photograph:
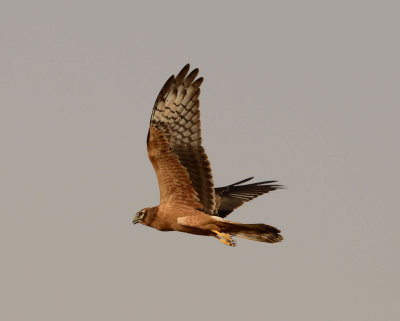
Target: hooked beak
[135,220]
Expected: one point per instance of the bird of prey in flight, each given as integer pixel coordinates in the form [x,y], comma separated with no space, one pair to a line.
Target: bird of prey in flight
[188,200]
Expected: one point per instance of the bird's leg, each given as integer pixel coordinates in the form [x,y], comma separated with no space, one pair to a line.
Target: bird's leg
[224,238]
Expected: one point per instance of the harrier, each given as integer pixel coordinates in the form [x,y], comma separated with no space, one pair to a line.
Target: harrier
[188,200]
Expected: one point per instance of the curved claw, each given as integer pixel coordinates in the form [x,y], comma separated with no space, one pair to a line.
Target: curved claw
[225,238]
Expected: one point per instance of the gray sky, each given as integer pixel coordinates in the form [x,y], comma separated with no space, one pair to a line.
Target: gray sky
[306,92]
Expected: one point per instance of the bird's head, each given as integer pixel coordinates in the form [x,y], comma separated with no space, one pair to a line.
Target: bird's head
[144,216]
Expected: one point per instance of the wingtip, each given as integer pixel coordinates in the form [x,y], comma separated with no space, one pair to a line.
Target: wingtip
[243,181]
[198,82]
[166,86]
[186,67]
[182,74]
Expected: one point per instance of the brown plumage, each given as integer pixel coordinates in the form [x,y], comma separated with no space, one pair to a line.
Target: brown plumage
[188,200]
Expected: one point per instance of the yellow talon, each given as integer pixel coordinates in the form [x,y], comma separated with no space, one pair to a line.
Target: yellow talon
[225,238]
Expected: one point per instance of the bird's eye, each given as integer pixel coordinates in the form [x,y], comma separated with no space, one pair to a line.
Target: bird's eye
[141,214]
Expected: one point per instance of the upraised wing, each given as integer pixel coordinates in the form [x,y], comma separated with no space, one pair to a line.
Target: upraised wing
[232,196]
[174,144]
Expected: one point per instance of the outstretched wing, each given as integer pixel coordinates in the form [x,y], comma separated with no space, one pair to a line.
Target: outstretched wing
[232,196]
[174,144]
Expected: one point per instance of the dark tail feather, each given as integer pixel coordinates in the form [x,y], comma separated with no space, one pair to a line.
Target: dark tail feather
[254,232]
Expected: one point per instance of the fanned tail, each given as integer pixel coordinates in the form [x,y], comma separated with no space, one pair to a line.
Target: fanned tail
[254,232]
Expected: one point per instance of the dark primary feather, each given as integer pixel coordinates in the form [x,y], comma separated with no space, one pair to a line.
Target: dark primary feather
[232,196]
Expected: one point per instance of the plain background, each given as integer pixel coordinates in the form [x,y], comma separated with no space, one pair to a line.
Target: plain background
[306,92]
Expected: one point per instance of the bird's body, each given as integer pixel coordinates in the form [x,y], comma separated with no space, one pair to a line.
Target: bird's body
[188,200]
[171,217]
